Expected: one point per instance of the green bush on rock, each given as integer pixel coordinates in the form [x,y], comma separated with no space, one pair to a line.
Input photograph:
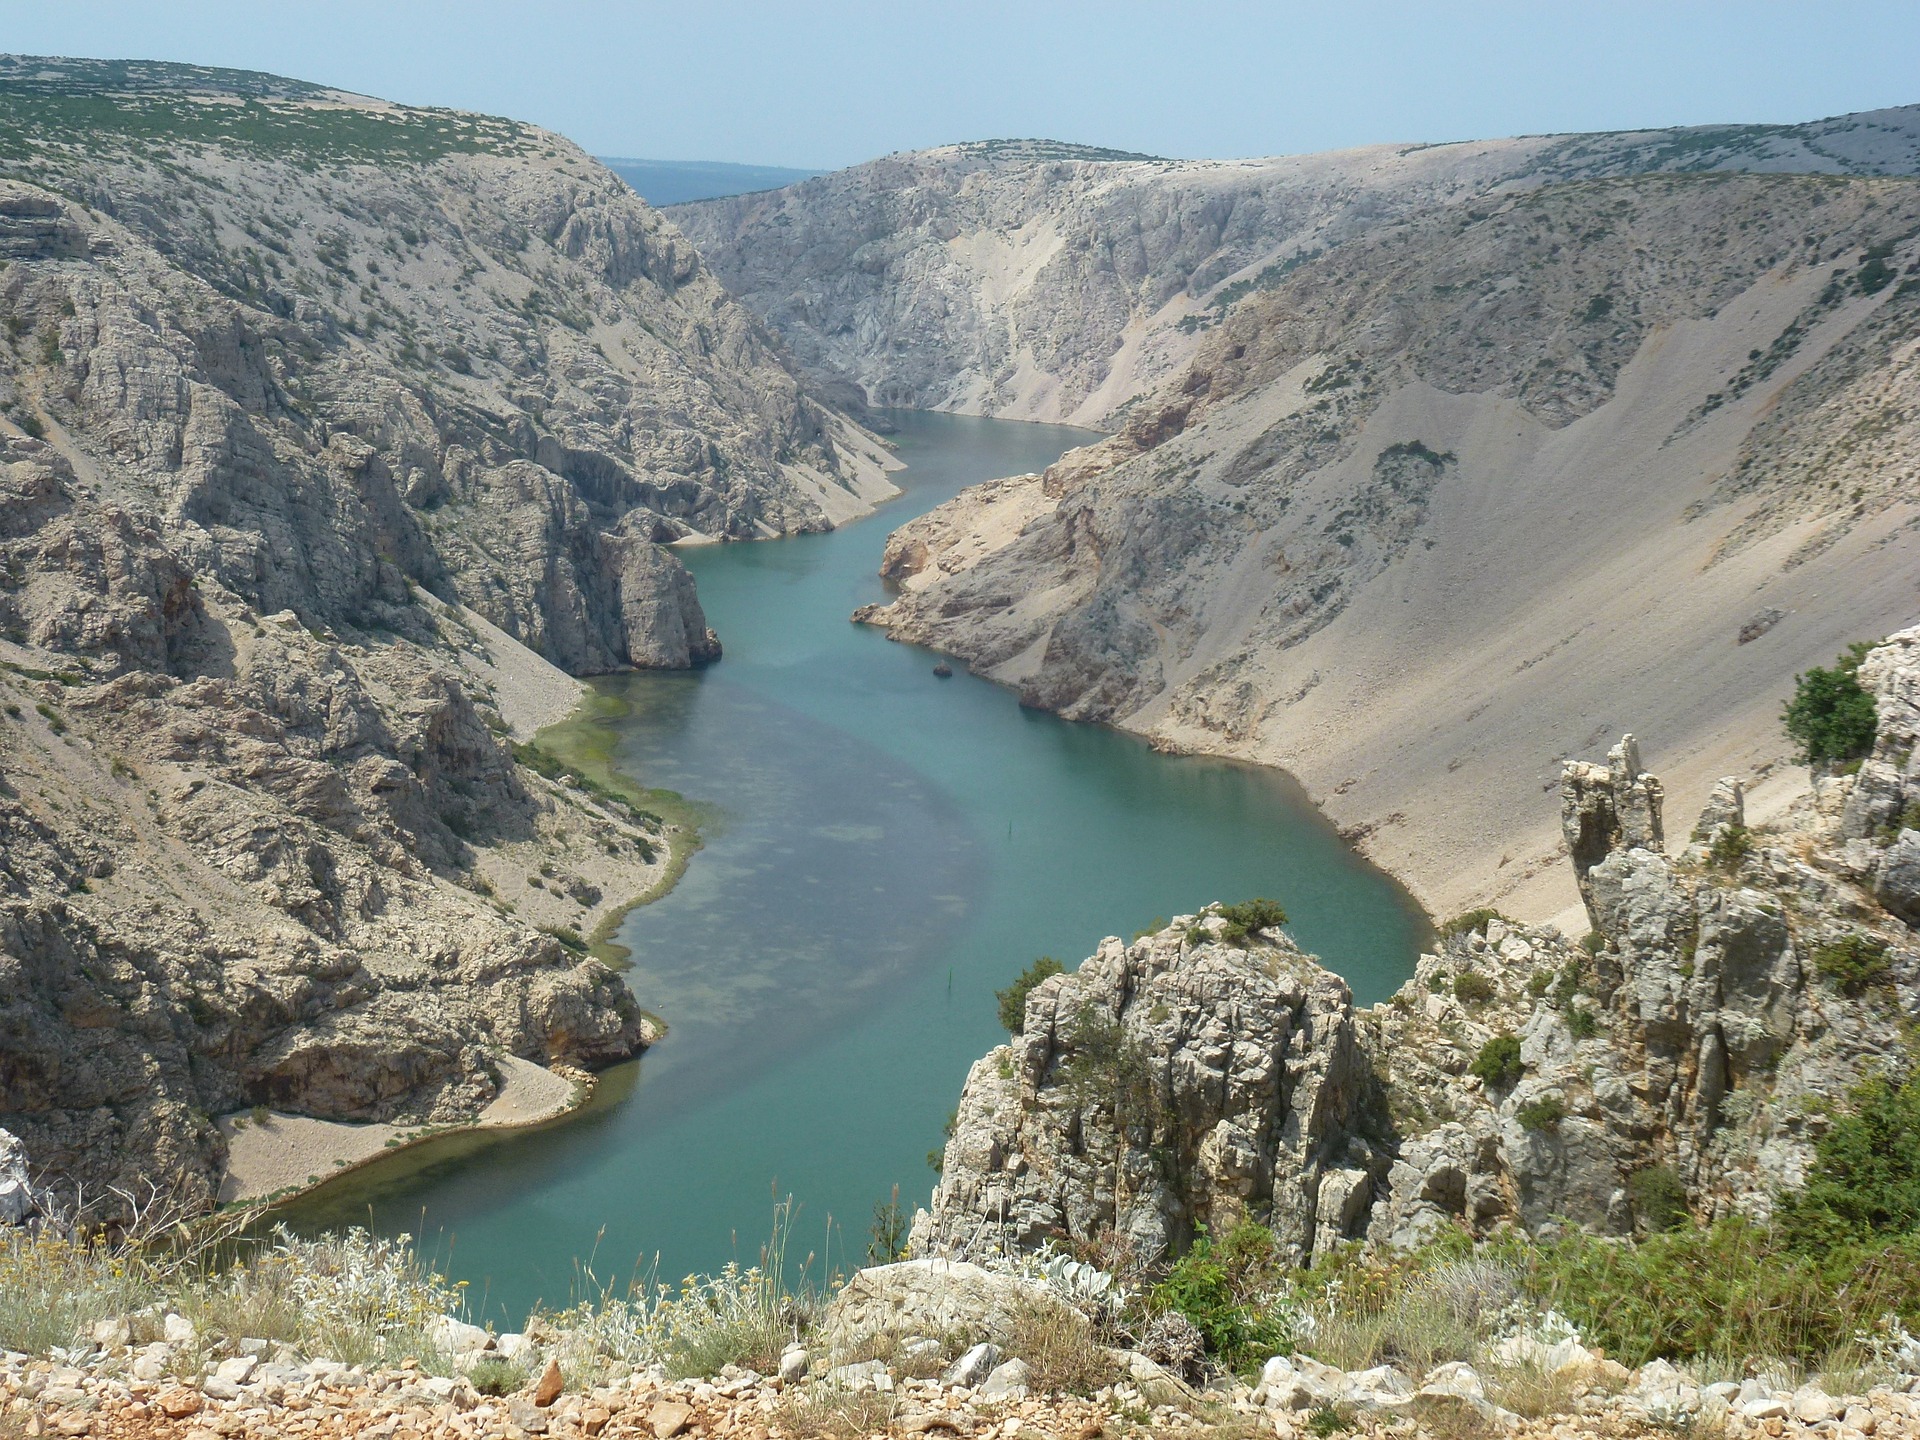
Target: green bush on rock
[1220,1287]
[1853,963]
[1013,999]
[1831,715]
[1498,1064]
[1865,1182]
[1249,917]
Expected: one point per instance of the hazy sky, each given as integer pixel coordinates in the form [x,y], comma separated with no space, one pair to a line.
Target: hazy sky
[825,85]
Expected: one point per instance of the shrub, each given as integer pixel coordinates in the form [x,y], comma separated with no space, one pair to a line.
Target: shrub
[1498,1063]
[1831,715]
[1472,987]
[493,1375]
[1722,1293]
[1219,1288]
[1106,1070]
[1472,920]
[738,1317]
[1659,1198]
[1013,999]
[567,936]
[1546,1113]
[1581,1023]
[1731,846]
[351,1296]
[1852,962]
[887,1237]
[1248,917]
[1865,1180]
[54,1289]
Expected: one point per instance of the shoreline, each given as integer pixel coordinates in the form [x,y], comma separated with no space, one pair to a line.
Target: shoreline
[584,742]
[274,1158]
[266,1152]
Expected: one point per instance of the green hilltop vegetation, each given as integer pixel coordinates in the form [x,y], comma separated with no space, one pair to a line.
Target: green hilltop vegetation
[66,107]
[1048,150]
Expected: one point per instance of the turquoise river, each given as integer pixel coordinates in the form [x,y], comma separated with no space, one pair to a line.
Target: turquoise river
[887,849]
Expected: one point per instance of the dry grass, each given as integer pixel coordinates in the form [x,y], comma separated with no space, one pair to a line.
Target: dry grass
[923,1362]
[1535,1391]
[821,1410]
[348,1297]
[1060,1351]
[1450,1419]
[1412,1318]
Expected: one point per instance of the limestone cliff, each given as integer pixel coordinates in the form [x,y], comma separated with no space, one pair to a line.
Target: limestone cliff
[322,422]
[1695,1034]
[1040,281]
[339,346]
[1469,492]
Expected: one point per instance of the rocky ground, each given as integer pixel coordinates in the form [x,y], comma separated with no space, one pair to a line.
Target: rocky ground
[126,1385]
[1471,493]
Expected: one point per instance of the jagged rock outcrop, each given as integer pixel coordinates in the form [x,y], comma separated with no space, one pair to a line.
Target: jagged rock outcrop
[1681,1054]
[1882,815]
[19,1202]
[1165,1085]
[322,421]
[1496,480]
[1041,281]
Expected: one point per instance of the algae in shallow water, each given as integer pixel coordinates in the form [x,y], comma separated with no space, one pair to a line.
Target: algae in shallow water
[581,748]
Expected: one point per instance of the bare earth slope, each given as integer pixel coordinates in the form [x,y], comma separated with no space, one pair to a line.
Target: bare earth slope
[1469,493]
[1039,281]
[331,434]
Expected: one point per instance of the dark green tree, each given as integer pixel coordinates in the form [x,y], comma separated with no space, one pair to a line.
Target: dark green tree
[1013,999]
[1831,716]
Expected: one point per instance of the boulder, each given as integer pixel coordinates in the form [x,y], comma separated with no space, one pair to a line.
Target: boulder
[1896,885]
[972,1368]
[1007,1382]
[954,1302]
[456,1337]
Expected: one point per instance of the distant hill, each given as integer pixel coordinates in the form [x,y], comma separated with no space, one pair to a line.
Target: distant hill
[670,182]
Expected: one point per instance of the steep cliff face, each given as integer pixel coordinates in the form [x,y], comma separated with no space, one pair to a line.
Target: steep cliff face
[1042,281]
[1182,1081]
[339,346]
[322,422]
[1479,485]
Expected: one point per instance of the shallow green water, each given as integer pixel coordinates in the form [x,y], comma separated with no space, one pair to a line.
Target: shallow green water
[891,848]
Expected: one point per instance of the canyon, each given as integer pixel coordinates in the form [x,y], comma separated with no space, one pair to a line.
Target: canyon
[335,438]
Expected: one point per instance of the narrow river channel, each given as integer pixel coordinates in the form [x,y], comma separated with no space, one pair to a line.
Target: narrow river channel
[887,849]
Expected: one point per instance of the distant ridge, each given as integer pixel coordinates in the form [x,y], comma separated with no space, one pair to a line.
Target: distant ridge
[1047,150]
[66,75]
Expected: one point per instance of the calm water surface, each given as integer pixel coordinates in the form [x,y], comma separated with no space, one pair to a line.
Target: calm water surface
[889,849]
